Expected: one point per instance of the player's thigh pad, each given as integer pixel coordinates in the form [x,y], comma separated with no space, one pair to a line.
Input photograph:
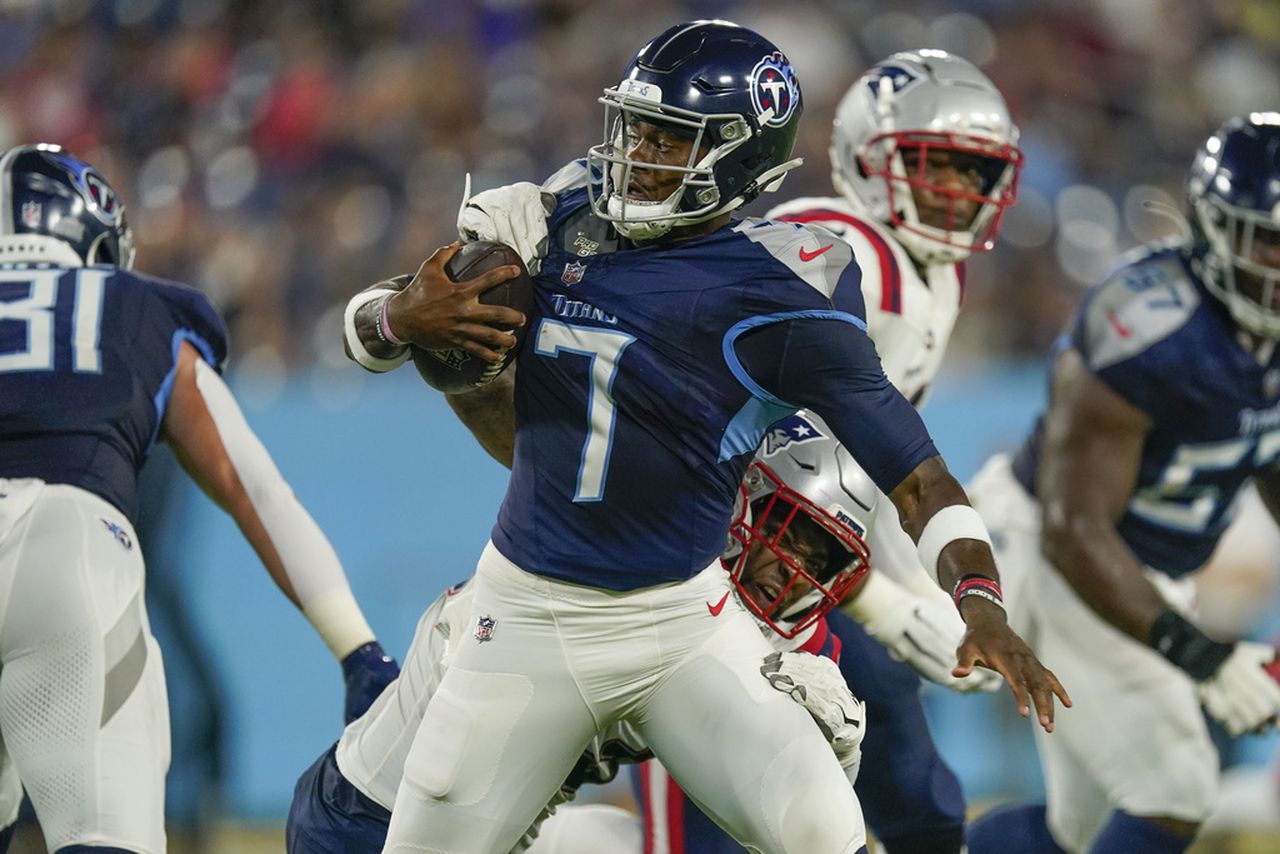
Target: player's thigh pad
[83,707]
[590,829]
[1136,724]
[748,755]
[504,728]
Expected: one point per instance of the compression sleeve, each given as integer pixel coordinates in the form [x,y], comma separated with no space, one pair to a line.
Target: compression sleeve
[309,560]
[829,365]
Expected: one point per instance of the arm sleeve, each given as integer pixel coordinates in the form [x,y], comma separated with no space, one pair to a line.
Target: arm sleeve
[829,365]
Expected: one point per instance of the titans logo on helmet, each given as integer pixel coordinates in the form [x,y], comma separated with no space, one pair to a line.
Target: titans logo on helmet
[103,201]
[773,86]
[898,77]
[791,430]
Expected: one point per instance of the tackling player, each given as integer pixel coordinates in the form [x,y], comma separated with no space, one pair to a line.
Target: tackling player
[666,340]
[97,363]
[1164,404]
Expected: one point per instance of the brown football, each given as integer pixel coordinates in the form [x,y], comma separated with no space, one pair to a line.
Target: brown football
[454,371]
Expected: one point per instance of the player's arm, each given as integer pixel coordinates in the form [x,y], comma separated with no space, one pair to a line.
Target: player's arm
[1093,440]
[215,445]
[829,365]
[489,412]
[428,311]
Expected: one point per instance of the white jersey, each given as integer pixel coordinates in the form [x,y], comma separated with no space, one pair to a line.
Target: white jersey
[909,316]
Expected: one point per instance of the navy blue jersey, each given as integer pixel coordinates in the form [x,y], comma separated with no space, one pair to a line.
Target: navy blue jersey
[87,361]
[649,376]
[907,792]
[1152,333]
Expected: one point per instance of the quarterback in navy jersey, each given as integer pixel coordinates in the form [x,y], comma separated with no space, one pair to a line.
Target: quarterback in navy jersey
[666,339]
[1164,402]
[97,364]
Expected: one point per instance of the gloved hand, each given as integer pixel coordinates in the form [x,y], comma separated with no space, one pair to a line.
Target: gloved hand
[366,671]
[816,683]
[515,215]
[1241,694]
[924,633]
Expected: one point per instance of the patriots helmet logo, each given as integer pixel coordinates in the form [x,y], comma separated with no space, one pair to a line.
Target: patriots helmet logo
[774,87]
[893,77]
[119,533]
[791,430]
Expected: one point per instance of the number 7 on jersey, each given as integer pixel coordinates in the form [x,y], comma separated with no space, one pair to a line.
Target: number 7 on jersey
[604,348]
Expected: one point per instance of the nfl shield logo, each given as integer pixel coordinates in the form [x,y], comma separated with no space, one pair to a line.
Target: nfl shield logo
[573,272]
[484,628]
[31,214]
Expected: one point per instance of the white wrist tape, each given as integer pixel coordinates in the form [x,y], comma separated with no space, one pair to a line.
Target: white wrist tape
[358,351]
[309,560]
[951,523]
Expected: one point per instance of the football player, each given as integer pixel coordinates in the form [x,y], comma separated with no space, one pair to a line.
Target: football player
[667,338]
[1164,403]
[796,547]
[97,363]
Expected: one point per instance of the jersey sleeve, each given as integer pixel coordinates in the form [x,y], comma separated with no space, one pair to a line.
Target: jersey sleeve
[196,320]
[1127,332]
[829,365]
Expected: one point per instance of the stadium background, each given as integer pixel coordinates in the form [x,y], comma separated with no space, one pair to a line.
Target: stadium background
[280,155]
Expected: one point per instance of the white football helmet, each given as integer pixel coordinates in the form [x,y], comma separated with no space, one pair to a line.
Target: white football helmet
[926,101]
[802,484]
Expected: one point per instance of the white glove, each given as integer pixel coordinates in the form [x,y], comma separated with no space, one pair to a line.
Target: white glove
[515,215]
[922,632]
[816,683]
[1241,694]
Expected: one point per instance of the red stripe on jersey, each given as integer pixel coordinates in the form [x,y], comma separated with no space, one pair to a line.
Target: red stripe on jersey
[814,644]
[646,805]
[890,276]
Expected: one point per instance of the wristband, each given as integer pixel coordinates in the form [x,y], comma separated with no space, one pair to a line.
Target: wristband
[384,327]
[1186,646]
[358,351]
[951,523]
[977,585]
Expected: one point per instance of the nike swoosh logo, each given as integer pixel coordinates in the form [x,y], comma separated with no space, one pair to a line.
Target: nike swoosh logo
[718,607]
[806,255]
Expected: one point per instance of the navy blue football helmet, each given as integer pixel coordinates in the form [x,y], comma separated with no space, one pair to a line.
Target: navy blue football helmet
[727,89]
[58,209]
[1234,193]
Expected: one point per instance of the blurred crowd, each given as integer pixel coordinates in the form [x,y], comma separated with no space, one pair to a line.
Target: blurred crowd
[281,155]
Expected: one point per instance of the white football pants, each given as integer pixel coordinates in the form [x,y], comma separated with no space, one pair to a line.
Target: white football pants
[1135,740]
[83,710]
[548,664]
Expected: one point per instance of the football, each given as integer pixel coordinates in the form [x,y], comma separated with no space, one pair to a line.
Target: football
[455,370]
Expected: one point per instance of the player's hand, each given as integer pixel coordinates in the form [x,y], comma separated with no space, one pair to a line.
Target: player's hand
[921,632]
[437,314]
[1242,695]
[990,642]
[515,215]
[816,683]
[366,672]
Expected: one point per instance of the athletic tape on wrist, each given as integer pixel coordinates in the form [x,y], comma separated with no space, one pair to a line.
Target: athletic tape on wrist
[384,326]
[951,523]
[358,351]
